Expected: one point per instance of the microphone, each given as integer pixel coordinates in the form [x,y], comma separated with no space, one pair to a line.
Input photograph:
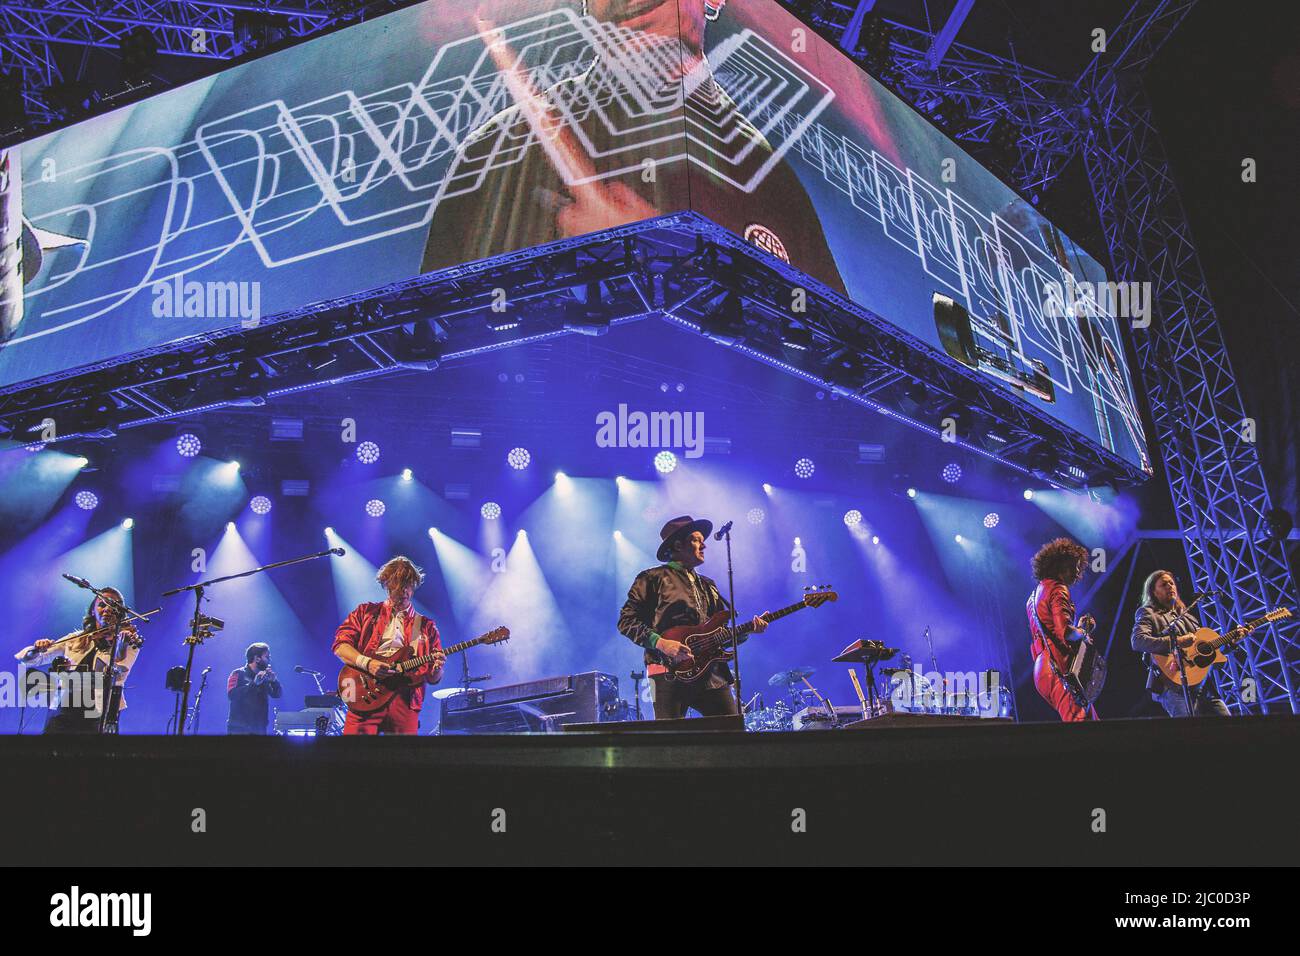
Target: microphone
[305,670]
[79,582]
[721,532]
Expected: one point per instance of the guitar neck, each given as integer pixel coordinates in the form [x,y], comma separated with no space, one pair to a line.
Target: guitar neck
[416,662]
[743,629]
[1241,630]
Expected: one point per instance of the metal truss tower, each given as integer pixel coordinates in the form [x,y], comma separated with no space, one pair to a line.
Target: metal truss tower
[1203,431]
[1214,474]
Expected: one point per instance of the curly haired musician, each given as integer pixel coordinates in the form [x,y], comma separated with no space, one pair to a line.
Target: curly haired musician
[375,628]
[86,653]
[1057,565]
[671,595]
[1162,607]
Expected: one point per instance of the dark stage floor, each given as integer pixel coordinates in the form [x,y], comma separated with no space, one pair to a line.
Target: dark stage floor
[977,794]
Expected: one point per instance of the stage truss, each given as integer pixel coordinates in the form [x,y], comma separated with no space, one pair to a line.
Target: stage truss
[1214,474]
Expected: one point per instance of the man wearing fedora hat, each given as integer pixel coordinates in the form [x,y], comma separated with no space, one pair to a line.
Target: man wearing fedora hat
[672,595]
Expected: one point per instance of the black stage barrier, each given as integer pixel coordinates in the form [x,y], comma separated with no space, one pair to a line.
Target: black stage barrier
[1201,792]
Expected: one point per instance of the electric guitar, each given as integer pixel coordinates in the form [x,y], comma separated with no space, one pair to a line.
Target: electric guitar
[712,640]
[1207,647]
[364,693]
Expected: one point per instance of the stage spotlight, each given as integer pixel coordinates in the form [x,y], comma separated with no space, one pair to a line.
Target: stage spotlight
[1029,494]
[951,472]
[804,468]
[875,539]
[911,492]
[82,462]
[991,519]
[665,462]
[432,532]
[230,526]
[518,458]
[1275,525]
[620,480]
[375,508]
[618,535]
[367,453]
[87,500]
[235,465]
[767,488]
[756,515]
[407,474]
[490,510]
[521,533]
[957,538]
[188,445]
[853,518]
[128,523]
[260,504]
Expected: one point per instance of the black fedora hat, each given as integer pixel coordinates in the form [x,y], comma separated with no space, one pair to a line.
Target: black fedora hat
[677,529]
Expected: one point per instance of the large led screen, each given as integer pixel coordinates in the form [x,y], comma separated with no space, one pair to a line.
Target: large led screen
[447,133]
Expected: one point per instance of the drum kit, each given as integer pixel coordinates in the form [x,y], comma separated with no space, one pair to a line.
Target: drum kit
[797,695]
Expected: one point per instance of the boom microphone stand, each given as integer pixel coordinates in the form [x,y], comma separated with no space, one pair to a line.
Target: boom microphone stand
[1178,651]
[202,626]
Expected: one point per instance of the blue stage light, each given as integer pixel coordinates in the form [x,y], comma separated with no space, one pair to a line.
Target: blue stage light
[951,472]
[804,468]
[957,538]
[87,500]
[991,519]
[367,453]
[755,515]
[618,535]
[128,523]
[875,539]
[260,504]
[375,508]
[188,445]
[1029,494]
[230,526]
[767,489]
[407,474]
[490,510]
[911,492]
[665,462]
[328,532]
[81,462]
[518,458]
[853,517]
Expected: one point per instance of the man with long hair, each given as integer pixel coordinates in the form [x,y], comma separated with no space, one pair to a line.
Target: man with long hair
[1057,565]
[375,630]
[1163,620]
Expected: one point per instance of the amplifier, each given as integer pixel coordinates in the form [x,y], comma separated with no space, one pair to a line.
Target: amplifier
[540,706]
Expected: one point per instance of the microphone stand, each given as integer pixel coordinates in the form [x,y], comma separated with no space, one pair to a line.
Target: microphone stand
[193,725]
[1178,651]
[201,626]
[731,592]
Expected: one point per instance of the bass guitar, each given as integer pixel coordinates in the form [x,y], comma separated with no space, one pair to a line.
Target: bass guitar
[713,640]
[1207,648]
[364,693]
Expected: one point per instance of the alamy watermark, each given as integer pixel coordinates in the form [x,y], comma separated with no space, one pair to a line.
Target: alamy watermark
[209,300]
[624,429]
[1124,300]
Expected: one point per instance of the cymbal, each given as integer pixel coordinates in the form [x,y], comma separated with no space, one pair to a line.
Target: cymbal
[792,676]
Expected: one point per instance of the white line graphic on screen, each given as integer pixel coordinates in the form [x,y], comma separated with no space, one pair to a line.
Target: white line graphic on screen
[283,172]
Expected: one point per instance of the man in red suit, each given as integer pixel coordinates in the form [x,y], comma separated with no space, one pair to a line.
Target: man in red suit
[1057,565]
[373,632]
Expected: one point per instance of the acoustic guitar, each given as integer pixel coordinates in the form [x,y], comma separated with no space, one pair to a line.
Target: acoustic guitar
[1207,648]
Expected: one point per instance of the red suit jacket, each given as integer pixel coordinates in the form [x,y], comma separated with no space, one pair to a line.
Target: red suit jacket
[364,630]
[1051,614]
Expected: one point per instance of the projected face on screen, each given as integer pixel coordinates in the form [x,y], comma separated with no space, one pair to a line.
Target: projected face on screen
[440,135]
